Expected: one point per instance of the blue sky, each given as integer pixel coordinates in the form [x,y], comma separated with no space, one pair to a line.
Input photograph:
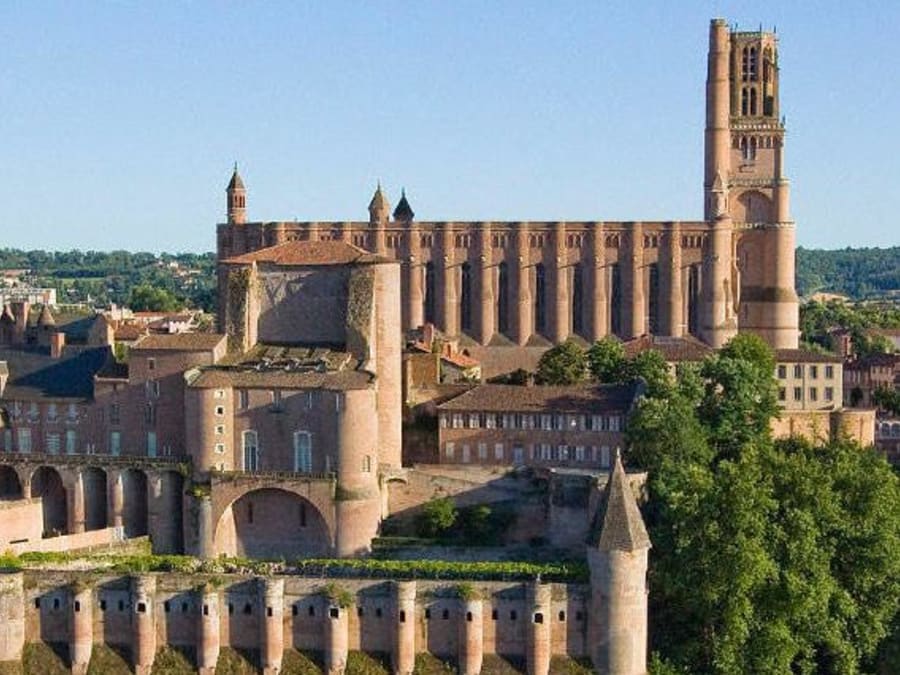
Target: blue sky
[119,122]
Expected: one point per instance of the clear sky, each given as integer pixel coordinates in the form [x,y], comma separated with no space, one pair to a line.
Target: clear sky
[119,122]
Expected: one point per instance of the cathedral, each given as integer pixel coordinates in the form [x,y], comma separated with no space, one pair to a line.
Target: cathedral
[535,283]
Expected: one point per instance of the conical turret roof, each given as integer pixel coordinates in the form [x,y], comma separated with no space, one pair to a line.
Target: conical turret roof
[46,317]
[235,183]
[379,202]
[619,526]
[404,211]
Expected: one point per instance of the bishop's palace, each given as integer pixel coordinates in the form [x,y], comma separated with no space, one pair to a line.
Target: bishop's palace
[287,434]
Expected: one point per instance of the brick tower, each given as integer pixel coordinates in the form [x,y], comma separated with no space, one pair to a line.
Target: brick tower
[752,238]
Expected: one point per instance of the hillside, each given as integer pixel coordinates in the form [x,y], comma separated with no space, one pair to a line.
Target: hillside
[859,273]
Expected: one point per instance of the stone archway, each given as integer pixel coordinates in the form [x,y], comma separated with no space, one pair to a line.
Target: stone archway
[134,512]
[271,523]
[10,485]
[47,484]
[93,482]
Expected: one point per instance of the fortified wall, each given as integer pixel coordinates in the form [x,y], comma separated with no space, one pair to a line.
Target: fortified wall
[526,623]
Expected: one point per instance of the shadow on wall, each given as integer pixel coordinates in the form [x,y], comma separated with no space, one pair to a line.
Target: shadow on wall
[272,524]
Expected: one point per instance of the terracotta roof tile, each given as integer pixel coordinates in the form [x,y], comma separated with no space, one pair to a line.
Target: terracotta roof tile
[804,356]
[309,253]
[538,398]
[673,349]
[182,342]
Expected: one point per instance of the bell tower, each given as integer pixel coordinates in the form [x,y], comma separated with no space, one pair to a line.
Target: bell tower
[745,149]
[236,197]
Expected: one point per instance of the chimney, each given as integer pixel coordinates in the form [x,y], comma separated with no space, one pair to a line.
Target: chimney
[57,343]
[428,334]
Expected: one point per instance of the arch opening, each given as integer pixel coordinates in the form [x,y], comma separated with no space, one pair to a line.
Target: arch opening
[10,485]
[47,484]
[271,523]
[93,482]
[134,513]
[168,530]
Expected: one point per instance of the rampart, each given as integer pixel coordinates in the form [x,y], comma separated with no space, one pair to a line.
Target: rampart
[137,615]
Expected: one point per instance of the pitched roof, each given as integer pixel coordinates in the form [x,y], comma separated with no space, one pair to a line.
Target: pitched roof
[804,356]
[34,375]
[673,349]
[180,342]
[538,398]
[46,317]
[309,253]
[274,379]
[621,527]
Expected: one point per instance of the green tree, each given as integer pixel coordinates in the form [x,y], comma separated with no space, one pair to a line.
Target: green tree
[768,557]
[751,348]
[651,366]
[887,398]
[606,360]
[147,298]
[438,516]
[563,364]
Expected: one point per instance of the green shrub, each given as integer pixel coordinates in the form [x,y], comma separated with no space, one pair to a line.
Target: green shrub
[438,516]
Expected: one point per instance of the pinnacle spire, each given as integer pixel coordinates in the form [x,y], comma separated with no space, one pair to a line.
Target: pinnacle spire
[619,525]
[404,212]
[235,183]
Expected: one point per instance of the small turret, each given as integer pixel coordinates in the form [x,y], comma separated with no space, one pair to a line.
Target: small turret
[236,199]
[403,213]
[379,208]
[617,557]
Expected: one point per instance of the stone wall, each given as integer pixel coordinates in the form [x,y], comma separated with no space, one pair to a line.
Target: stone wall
[264,616]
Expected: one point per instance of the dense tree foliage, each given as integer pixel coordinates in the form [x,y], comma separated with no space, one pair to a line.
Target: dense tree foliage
[99,277]
[562,365]
[817,319]
[768,556]
[859,273]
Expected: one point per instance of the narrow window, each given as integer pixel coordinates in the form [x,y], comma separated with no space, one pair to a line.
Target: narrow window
[302,452]
[540,300]
[465,300]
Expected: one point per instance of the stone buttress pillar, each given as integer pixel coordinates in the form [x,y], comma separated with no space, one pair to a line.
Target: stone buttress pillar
[81,633]
[403,656]
[26,487]
[785,317]
[719,324]
[670,274]
[522,320]
[634,321]
[445,283]
[415,298]
[718,110]
[599,314]
[471,637]
[208,638]
[336,640]
[487,308]
[12,617]
[271,640]
[559,277]
[76,505]
[116,499]
[205,533]
[537,642]
[143,645]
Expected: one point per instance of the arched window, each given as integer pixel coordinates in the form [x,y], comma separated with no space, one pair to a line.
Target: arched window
[754,65]
[615,305]
[540,301]
[694,300]
[429,292]
[302,452]
[250,446]
[745,101]
[745,64]
[502,298]
[752,149]
[744,150]
[753,101]
[465,300]
[577,299]
[653,299]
